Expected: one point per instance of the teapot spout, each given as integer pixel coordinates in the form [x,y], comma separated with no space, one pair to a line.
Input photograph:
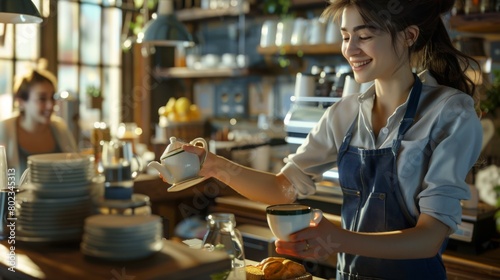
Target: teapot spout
[163,171]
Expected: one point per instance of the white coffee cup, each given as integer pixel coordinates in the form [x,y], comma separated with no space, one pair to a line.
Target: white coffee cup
[299,31]
[305,85]
[333,35]
[284,32]
[317,31]
[285,219]
[268,33]
[229,60]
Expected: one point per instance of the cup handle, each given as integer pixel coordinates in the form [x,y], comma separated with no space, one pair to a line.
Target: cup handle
[317,215]
[203,145]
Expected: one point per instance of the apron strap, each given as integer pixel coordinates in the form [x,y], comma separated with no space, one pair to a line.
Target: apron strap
[411,111]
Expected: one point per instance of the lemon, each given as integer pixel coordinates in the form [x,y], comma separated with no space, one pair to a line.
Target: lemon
[170,106]
[194,112]
[182,105]
[173,117]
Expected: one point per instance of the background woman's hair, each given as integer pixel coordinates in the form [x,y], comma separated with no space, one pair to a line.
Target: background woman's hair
[433,49]
[25,83]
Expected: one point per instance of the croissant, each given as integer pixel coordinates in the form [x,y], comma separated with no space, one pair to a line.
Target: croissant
[277,268]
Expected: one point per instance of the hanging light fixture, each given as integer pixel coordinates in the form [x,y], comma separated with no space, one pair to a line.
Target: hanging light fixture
[19,11]
[165,29]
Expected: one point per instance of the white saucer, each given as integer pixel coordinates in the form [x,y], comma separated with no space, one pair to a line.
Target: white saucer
[186,184]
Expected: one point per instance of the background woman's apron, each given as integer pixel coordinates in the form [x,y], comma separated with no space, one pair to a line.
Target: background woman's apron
[373,202]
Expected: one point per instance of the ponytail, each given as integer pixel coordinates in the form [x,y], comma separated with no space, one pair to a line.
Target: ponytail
[447,64]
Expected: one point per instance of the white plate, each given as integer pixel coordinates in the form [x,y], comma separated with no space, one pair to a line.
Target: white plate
[47,209]
[51,233]
[54,176]
[131,232]
[28,221]
[136,201]
[119,239]
[125,247]
[61,183]
[121,221]
[50,226]
[28,197]
[131,255]
[61,194]
[60,157]
[186,184]
[56,239]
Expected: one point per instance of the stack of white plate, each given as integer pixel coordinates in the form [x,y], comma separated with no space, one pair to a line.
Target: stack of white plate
[56,200]
[50,219]
[60,175]
[122,237]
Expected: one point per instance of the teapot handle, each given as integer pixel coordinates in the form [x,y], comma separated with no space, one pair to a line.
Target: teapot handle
[203,145]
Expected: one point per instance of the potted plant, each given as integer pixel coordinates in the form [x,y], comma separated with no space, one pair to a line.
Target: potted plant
[491,100]
[489,104]
[95,95]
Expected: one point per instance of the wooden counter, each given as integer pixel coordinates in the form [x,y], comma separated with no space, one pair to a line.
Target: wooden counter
[212,195]
[174,261]
[484,266]
[459,266]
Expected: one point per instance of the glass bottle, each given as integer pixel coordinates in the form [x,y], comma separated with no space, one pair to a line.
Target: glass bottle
[223,236]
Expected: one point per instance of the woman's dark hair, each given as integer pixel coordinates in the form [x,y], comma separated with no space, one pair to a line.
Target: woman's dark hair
[24,84]
[433,49]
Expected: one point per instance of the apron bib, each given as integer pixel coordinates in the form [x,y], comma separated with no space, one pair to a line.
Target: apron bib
[373,202]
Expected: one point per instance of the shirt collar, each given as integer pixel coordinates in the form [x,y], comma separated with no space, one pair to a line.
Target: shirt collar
[425,77]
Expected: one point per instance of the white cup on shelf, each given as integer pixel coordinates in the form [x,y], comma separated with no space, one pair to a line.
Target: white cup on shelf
[242,60]
[284,32]
[299,31]
[229,60]
[317,33]
[268,33]
[333,35]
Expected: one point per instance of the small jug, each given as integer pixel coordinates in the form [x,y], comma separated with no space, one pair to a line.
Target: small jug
[223,236]
[178,165]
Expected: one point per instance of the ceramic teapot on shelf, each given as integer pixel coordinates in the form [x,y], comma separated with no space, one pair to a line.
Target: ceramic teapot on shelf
[178,165]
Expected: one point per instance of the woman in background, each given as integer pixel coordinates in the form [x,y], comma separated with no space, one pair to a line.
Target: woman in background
[34,129]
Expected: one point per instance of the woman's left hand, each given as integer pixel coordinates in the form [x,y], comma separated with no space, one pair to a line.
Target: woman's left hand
[318,243]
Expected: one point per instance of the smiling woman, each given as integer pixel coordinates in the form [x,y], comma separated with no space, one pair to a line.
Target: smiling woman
[400,168]
[34,129]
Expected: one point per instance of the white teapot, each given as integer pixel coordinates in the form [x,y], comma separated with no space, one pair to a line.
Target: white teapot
[178,165]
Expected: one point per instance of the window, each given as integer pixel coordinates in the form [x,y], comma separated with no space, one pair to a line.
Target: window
[19,52]
[89,56]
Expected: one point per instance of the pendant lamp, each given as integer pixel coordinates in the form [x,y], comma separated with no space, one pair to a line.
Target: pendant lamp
[19,11]
[165,29]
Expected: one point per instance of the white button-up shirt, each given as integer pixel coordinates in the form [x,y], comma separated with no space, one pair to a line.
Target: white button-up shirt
[436,153]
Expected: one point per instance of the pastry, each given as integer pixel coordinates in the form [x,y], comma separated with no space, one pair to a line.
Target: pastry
[277,268]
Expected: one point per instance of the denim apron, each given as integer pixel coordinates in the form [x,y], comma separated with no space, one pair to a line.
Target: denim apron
[373,202]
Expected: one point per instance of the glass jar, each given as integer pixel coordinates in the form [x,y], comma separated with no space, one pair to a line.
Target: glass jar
[223,236]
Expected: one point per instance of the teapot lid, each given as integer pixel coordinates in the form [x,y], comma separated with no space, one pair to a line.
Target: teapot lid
[174,145]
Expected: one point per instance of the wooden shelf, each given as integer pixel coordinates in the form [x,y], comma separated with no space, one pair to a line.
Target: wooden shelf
[301,3]
[320,49]
[200,14]
[476,23]
[182,72]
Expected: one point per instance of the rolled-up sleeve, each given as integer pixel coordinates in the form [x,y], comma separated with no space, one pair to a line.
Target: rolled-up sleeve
[455,143]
